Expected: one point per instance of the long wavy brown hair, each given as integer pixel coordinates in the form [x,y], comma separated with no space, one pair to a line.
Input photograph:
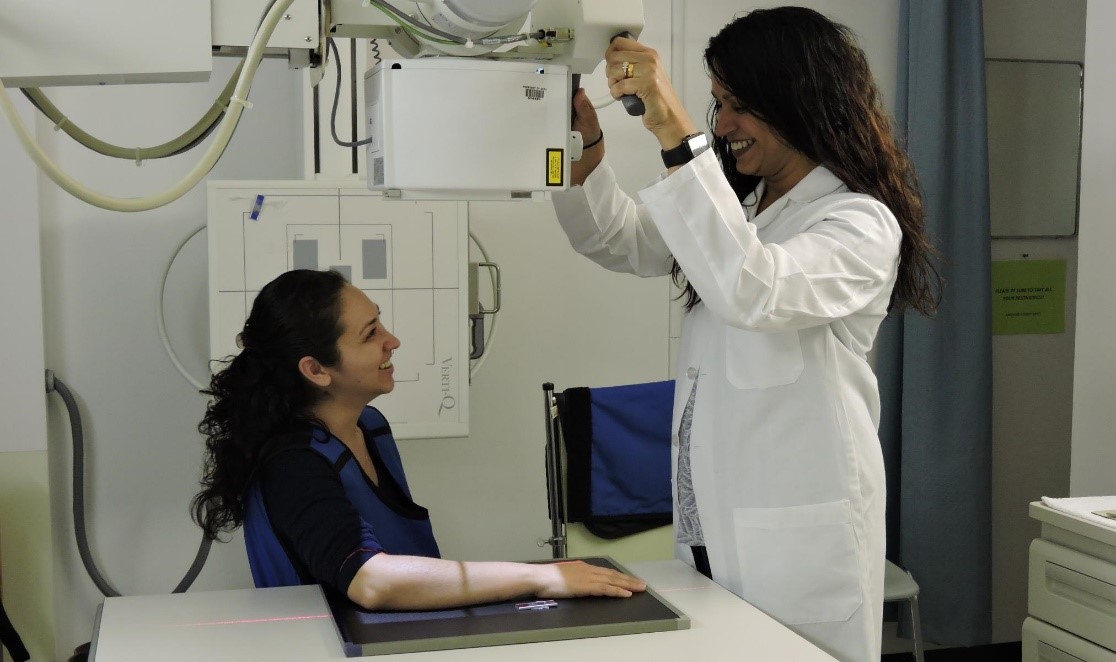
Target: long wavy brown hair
[259,402]
[806,77]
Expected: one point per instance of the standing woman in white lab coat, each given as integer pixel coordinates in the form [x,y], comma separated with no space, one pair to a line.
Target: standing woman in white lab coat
[793,236]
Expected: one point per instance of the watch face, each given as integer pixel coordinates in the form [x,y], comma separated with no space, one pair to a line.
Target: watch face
[698,143]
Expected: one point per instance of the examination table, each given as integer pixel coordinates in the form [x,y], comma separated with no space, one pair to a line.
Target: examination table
[295,623]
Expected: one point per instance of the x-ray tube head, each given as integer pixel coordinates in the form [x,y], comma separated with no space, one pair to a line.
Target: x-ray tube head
[468,128]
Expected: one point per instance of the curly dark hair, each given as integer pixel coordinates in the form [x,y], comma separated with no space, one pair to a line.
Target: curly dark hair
[806,77]
[260,403]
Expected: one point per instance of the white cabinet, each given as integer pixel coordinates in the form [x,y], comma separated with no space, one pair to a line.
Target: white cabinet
[1071,590]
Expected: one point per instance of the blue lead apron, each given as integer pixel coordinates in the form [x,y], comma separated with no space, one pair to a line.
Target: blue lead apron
[406,533]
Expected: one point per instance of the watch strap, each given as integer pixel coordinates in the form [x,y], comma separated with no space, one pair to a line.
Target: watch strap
[691,146]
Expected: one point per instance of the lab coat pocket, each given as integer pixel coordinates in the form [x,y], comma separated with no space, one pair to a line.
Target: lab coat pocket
[799,564]
[762,359]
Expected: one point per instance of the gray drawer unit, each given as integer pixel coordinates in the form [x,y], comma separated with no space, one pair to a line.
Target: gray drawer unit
[1071,590]
[1043,642]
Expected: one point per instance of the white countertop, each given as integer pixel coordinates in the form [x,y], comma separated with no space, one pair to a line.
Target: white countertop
[294,624]
[1073,523]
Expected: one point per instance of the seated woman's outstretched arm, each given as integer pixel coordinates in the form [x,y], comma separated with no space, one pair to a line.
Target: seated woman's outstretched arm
[388,581]
[310,511]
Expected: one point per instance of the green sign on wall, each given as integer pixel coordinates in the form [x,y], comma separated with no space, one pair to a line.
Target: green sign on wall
[1028,296]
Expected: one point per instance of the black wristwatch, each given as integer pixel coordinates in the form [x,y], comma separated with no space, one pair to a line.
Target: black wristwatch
[691,146]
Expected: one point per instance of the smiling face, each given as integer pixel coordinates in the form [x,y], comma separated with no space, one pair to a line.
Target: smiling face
[756,147]
[364,371]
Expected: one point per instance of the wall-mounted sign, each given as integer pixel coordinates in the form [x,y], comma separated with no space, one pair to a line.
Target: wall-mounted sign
[1028,296]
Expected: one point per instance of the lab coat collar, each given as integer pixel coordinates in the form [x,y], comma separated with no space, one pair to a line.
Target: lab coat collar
[819,182]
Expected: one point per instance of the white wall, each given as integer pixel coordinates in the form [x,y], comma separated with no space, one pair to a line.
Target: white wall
[1032,374]
[21,326]
[101,274]
[24,502]
[1093,459]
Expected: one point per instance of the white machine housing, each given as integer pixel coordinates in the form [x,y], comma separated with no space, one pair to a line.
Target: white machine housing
[441,127]
[590,23]
[47,43]
[51,43]
[449,105]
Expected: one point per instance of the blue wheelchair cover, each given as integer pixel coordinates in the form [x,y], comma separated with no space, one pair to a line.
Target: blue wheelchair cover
[617,443]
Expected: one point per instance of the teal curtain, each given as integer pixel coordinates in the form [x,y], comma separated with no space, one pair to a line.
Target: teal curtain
[936,374]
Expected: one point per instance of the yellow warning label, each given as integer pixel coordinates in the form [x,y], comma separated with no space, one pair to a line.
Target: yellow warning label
[555,162]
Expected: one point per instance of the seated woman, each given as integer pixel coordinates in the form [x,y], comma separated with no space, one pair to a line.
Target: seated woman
[296,455]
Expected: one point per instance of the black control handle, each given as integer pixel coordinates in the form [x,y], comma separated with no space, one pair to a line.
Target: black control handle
[632,103]
[575,85]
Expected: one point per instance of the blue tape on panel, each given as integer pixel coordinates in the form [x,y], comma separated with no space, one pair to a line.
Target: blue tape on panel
[256,207]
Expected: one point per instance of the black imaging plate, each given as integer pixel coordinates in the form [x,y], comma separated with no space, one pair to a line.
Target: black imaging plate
[499,623]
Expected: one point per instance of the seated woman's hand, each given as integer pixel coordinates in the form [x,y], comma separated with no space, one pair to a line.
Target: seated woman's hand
[574,579]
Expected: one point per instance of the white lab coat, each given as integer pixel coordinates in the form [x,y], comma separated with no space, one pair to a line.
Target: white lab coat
[786,463]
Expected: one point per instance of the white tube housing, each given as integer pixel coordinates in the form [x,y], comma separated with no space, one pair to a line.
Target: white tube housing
[479,18]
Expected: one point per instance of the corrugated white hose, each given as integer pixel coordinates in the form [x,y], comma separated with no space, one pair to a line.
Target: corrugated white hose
[224,132]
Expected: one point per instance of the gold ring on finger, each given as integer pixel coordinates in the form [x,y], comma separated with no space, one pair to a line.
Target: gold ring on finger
[629,69]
